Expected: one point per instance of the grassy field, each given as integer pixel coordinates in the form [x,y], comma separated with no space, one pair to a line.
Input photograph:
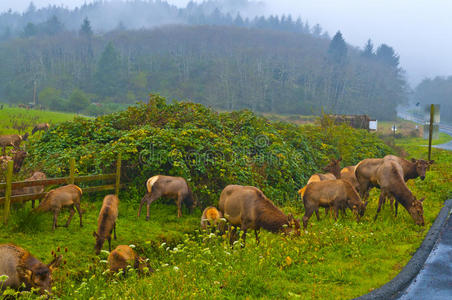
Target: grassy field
[15,120]
[331,260]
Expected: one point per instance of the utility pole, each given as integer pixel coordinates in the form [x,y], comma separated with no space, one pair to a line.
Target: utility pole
[430,131]
[34,93]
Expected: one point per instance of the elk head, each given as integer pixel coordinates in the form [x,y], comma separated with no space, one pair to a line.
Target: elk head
[421,166]
[417,211]
[293,225]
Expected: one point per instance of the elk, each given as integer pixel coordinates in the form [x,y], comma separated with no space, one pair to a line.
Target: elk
[337,193]
[169,186]
[390,177]
[23,268]
[348,174]
[37,189]
[334,172]
[249,208]
[40,126]
[211,216]
[123,256]
[18,159]
[65,196]
[106,222]
[12,140]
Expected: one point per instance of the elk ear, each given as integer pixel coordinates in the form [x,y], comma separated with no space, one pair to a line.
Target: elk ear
[55,263]
[413,160]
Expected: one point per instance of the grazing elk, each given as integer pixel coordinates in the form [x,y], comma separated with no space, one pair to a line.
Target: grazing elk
[65,196]
[37,189]
[249,208]
[12,140]
[390,178]
[212,217]
[123,256]
[106,222]
[40,126]
[337,193]
[18,159]
[333,170]
[23,268]
[348,174]
[169,186]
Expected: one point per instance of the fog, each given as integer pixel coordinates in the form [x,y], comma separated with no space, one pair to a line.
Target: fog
[417,29]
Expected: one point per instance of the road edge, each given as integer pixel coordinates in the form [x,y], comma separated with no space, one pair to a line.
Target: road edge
[393,288]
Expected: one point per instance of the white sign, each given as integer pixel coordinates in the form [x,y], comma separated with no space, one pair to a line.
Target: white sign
[373,125]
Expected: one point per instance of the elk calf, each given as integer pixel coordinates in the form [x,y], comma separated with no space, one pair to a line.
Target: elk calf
[40,126]
[106,222]
[169,186]
[249,208]
[331,193]
[211,217]
[22,267]
[65,196]
[124,256]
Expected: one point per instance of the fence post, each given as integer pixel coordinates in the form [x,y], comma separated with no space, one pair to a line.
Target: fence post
[118,174]
[9,179]
[72,170]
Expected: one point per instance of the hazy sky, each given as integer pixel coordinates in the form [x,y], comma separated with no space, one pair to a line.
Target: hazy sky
[419,30]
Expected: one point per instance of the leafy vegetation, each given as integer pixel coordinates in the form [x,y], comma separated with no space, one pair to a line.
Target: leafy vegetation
[342,259]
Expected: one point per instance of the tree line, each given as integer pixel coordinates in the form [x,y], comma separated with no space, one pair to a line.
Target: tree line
[437,90]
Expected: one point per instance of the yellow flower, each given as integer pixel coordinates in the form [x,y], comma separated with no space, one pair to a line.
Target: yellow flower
[289,260]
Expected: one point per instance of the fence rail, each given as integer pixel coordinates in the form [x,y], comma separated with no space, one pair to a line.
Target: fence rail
[11,187]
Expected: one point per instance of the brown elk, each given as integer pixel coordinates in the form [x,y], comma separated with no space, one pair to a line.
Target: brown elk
[23,268]
[12,140]
[390,178]
[65,196]
[169,186]
[249,208]
[123,256]
[337,193]
[18,159]
[106,222]
[40,126]
[211,217]
[37,189]
[348,174]
[334,172]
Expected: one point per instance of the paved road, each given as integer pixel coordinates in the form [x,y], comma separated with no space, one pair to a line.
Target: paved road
[434,281]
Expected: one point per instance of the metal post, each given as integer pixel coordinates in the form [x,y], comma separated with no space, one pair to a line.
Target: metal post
[430,131]
[118,174]
[9,179]
[72,170]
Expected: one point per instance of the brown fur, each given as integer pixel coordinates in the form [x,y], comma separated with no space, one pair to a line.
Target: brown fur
[65,196]
[123,256]
[391,181]
[40,126]
[249,208]
[337,193]
[211,216]
[18,159]
[334,172]
[37,189]
[167,186]
[22,267]
[348,174]
[106,222]
[12,140]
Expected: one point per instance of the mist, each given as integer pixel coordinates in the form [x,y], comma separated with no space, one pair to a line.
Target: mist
[416,29]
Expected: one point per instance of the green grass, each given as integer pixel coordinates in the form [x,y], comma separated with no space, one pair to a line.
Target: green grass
[11,117]
[332,260]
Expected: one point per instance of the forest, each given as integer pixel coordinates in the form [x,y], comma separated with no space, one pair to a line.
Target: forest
[437,91]
[264,64]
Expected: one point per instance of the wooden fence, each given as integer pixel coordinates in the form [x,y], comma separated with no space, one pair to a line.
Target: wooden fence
[10,186]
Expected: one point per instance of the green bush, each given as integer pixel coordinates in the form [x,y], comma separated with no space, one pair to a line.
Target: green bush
[207,148]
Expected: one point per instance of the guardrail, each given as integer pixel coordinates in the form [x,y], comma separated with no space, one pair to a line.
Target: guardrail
[10,186]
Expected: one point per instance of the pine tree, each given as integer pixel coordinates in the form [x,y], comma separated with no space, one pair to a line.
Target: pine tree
[85,29]
[337,50]
[30,30]
[52,26]
[368,51]
[108,75]
[387,55]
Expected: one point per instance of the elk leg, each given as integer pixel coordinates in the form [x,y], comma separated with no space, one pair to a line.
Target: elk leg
[307,215]
[336,212]
[109,243]
[244,235]
[72,212]
[55,217]
[231,232]
[178,203]
[142,203]
[256,233]
[79,210]
[114,230]
[327,209]
[396,206]
[380,202]
[317,214]
[150,199]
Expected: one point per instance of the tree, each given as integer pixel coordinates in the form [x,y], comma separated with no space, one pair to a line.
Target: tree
[30,30]
[108,75]
[368,51]
[49,97]
[78,101]
[387,55]
[85,29]
[316,30]
[337,51]
[52,26]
